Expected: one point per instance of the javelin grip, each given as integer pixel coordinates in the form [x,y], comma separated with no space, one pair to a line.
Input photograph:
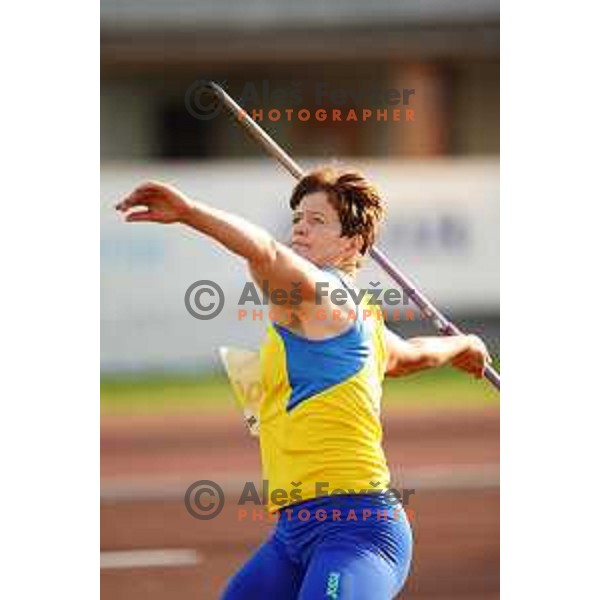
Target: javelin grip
[258,134]
[443,325]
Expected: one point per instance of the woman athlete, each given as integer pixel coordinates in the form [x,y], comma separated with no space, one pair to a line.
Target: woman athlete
[339,533]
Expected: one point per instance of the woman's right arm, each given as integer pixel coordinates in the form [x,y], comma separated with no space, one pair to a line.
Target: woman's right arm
[267,259]
[465,352]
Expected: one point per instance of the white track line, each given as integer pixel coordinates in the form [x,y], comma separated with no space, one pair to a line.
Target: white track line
[163,557]
[464,477]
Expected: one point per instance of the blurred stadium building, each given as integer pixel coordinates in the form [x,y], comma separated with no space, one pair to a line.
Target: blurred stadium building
[440,172]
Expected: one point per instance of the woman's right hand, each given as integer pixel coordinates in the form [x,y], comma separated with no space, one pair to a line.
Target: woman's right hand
[474,358]
[162,204]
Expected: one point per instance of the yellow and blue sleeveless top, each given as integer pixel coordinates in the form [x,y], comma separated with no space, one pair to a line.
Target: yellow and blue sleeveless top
[320,429]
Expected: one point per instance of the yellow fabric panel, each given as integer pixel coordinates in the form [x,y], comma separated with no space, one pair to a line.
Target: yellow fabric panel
[332,438]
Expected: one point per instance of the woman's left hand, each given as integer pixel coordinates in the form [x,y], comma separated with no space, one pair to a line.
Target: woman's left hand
[163,204]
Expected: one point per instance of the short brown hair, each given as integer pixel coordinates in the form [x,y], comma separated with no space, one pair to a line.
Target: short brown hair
[356,201]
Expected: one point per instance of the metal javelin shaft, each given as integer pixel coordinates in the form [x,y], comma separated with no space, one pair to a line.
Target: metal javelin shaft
[257,133]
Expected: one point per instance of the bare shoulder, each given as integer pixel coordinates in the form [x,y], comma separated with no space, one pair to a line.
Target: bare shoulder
[323,315]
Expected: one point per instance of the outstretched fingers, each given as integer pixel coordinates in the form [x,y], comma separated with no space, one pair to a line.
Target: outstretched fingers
[141,215]
[141,196]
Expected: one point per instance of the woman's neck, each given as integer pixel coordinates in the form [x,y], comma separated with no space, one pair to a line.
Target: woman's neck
[349,268]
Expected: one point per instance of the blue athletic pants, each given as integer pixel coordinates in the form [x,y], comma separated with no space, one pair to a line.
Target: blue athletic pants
[350,547]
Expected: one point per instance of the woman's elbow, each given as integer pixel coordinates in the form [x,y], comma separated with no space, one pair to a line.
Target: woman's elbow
[263,255]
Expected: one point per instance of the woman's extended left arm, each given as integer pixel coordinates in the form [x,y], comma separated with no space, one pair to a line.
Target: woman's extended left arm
[267,259]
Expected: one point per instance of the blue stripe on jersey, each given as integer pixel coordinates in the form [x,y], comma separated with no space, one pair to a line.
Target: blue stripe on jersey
[316,365]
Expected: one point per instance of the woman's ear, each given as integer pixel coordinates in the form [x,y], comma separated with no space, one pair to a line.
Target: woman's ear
[353,245]
[357,243]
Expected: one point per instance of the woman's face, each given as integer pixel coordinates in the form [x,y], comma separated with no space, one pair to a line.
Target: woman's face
[316,232]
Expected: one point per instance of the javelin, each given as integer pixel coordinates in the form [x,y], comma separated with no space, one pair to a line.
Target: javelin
[259,135]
